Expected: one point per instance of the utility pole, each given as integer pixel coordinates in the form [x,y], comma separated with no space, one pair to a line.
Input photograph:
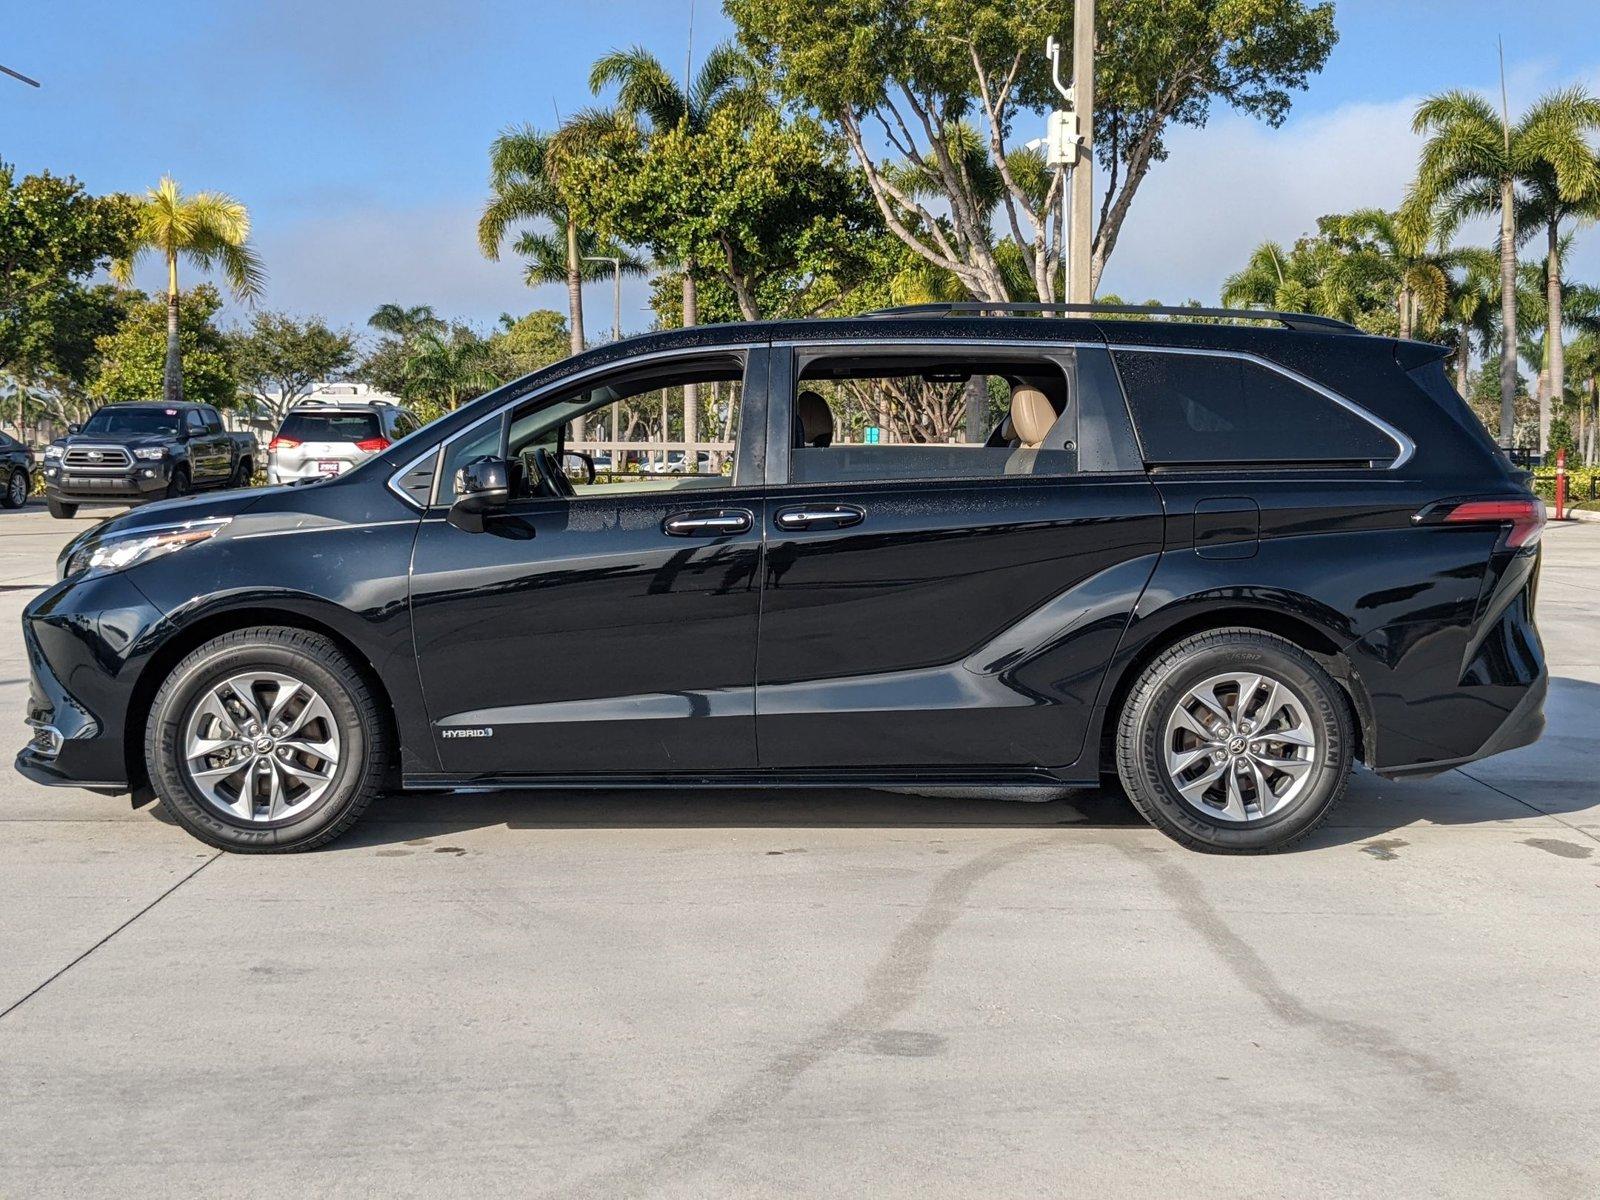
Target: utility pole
[616,334]
[1080,288]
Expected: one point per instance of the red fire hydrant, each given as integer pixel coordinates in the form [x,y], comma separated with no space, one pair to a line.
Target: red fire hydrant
[1561,485]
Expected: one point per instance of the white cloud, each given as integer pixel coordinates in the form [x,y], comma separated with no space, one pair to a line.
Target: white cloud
[1236,183]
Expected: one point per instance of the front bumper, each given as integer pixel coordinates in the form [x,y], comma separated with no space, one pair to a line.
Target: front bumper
[137,484]
[92,633]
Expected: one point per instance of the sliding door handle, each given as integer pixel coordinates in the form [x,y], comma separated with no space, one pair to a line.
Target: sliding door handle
[714,523]
[819,516]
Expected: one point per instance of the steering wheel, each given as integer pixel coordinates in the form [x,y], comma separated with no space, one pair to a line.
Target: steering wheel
[552,478]
[586,459]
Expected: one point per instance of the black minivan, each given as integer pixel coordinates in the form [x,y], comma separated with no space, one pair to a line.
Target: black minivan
[982,555]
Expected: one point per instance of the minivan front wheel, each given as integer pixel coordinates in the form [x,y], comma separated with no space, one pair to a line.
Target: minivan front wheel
[266,740]
[1234,741]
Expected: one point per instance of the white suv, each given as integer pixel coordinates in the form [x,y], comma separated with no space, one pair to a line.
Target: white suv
[319,440]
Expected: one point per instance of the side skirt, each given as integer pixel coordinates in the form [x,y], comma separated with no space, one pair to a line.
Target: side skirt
[1026,785]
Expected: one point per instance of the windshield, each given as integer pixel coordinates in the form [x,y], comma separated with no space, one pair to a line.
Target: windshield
[330,427]
[134,420]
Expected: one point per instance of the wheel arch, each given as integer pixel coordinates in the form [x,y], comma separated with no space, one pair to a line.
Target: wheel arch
[175,648]
[1172,623]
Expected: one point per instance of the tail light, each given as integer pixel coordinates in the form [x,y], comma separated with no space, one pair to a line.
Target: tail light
[1523,516]
[282,443]
[373,445]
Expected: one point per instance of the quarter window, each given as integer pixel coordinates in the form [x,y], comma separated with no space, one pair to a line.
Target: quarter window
[1220,408]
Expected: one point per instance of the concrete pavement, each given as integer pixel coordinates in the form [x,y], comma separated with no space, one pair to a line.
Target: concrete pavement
[778,995]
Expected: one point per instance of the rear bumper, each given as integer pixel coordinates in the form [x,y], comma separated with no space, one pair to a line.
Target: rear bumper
[1522,727]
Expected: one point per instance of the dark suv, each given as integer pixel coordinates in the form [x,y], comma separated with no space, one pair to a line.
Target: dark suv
[978,555]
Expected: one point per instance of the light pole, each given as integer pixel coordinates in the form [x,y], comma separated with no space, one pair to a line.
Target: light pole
[1080,288]
[616,336]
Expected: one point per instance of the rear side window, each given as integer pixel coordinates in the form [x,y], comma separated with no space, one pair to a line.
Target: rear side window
[1218,408]
[330,427]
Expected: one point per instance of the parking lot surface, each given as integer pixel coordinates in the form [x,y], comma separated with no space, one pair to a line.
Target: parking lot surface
[813,995]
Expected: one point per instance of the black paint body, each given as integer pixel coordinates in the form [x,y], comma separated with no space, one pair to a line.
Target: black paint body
[962,632]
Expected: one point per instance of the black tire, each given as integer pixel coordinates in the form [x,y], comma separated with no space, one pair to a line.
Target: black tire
[18,485]
[242,474]
[1141,754]
[179,485]
[304,656]
[62,512]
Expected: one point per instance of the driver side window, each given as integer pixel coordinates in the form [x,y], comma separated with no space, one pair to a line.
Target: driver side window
[674,428]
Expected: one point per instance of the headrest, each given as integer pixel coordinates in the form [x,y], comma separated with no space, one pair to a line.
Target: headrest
[816,419]
[1032,415]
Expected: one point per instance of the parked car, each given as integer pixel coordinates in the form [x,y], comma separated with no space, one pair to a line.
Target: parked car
[127,454]
[319,439]
[1220,562]
[672,463]
[16,472]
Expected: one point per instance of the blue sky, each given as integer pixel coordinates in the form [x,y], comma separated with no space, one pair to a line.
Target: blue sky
[356,130]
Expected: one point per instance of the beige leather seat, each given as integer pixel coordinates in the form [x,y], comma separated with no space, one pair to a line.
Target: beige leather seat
[815,418]
[1032,416]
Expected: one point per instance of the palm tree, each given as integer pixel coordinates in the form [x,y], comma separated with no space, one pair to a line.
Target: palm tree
[1476,162]
[1405,251]
[524,175]
[405,323]
[652,99]
[448,368]
[210,230]
[1470,310]
[1563,183]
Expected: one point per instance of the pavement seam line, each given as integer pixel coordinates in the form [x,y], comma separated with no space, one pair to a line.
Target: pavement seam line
[1532,807]
[62,971]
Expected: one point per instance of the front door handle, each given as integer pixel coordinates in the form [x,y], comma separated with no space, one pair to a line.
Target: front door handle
[819,516]
[717,523]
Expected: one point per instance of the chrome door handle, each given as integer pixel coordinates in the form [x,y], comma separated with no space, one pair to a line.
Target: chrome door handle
[719,523]
[819,516]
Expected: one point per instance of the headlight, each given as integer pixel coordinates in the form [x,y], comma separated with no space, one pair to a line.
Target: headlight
[150,452]
[119,551]
[52,451]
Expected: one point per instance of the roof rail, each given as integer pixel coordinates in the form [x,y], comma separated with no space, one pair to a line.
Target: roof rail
[1304,322]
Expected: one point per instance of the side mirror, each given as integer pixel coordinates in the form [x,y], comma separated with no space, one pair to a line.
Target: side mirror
[71,429]
[483,486]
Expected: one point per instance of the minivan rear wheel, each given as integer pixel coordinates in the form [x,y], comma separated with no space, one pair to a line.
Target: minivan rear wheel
[266,740]
[1234,741]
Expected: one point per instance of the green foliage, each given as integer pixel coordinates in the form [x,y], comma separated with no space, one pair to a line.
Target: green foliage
[278,358]
[528,344]
[769,209]
[1561,436]
[133,358]
[53,236]
[916,72]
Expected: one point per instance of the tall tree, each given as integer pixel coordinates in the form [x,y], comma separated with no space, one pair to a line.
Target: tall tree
[651,99]
[1562,185]
[211,230]
[403,322]
[445,369]
[278,359]
[53,236]
[132,360]
[909,74]
[1477,162]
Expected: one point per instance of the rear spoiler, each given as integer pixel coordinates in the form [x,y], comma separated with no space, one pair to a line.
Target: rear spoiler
[1411,355]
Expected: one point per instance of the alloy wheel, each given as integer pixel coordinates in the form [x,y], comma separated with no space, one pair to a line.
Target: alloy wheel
[261,747]
[1241,746]
[18,489]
